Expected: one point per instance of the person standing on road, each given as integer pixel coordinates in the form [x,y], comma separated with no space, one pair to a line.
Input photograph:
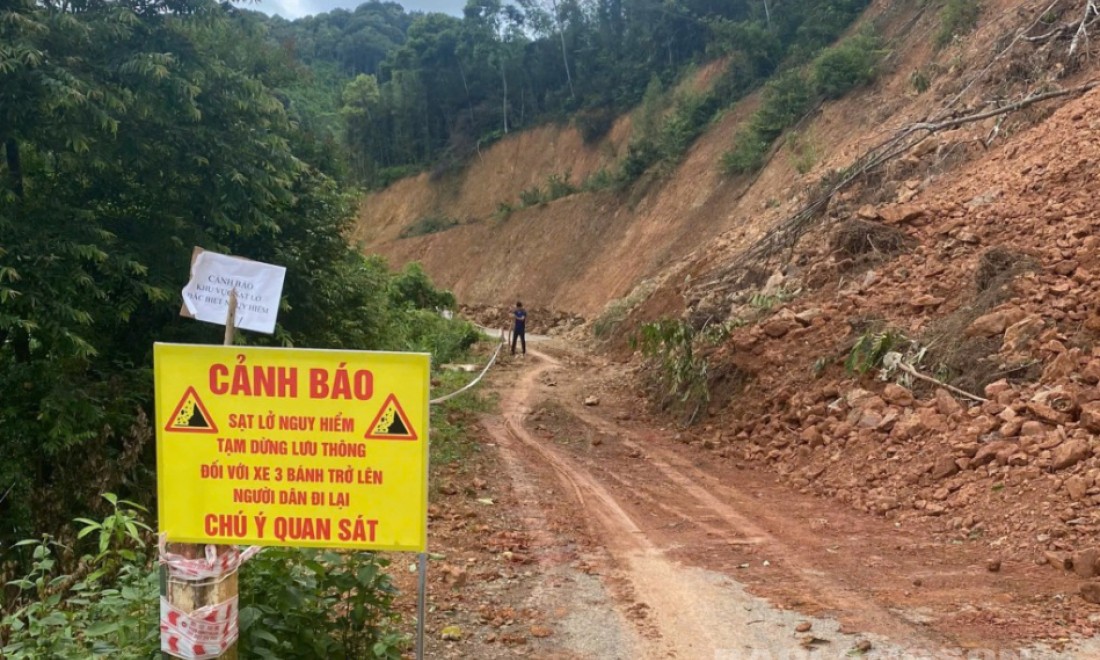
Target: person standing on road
[519,331]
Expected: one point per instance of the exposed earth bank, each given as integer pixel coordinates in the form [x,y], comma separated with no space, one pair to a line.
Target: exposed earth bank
[582,529]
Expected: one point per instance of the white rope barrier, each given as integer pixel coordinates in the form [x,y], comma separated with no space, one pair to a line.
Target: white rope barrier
[474,381]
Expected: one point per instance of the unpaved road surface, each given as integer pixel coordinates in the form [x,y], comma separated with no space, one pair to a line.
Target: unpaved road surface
[588,532]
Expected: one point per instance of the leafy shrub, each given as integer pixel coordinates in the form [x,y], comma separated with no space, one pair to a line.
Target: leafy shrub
[532,196]
[594,123]
[294,603]
[958,17]
[681,373]
[505,210]
[303,604]
[412,287]
[640,155]
[920,80]
[601,179]
[747,154]
[558,186]
[847,66]
[870,350]
[786,99]
[804,152]
[387,175]
[431,224]
[107,605]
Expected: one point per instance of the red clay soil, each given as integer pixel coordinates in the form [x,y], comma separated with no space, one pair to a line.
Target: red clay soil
[587,531]
[938,520]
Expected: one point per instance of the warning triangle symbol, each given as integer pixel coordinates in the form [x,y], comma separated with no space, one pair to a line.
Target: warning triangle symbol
[391,423]
[191,416]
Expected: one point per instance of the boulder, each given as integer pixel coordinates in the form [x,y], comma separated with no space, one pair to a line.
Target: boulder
[1076,487]
[947,404]
[1018,334]
[945,467]
[1084,562]
[990,450]
[994,323]
[1090,591]
[897,395]
[1090,416]
[1069,453]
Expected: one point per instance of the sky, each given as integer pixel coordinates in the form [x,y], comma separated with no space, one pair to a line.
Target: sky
[292,9]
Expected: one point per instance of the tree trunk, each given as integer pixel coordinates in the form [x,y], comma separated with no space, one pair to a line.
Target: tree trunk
[565,59]
[504,99]
[15,166]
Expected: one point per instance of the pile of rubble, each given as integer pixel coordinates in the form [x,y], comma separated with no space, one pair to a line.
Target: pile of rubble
[1000,272]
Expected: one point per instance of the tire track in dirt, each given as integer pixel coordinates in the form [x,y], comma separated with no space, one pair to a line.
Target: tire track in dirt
[693,612]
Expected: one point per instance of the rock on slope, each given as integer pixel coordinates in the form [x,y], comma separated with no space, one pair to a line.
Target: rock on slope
[1003,286]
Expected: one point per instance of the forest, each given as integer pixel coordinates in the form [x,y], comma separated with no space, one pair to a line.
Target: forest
[404,92]
[133,130]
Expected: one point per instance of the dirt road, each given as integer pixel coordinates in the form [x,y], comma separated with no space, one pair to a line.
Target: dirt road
[642,547]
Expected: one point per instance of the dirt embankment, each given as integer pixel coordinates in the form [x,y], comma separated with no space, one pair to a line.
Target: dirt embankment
[974,257]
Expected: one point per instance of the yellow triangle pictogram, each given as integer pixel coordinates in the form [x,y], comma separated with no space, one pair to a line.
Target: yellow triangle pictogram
[391,423]
[191,416]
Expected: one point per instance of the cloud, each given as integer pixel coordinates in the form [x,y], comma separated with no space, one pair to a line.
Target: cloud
[291,9]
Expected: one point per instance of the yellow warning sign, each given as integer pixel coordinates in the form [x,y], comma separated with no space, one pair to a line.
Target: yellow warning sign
[271,446]
[191,416]
[391,423]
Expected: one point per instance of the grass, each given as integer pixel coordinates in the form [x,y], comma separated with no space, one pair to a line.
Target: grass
[453,421]
[431,224]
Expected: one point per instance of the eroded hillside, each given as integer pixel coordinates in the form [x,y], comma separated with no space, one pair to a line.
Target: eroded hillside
[908,292]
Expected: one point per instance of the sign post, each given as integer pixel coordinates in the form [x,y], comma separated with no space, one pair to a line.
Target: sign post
[293,447]
[269,446]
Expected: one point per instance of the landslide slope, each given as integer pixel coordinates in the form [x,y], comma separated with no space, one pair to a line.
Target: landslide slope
[972,255]
[577,253]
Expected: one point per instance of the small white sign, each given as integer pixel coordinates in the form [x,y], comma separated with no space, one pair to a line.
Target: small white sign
[258,285]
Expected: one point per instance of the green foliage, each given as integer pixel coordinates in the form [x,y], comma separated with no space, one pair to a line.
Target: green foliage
[431,224]
[870,349]
[765,302]
[847,66]
[130,135]
[920,80]
[786,99]
[70,615]
[957,18]
[594,123]
[681,373]
[298,603]
[447,86]
[558,186]
[747,154]
[601,179]
[532,196]
[804,152]
[294,603]
[453,421]
[640,155]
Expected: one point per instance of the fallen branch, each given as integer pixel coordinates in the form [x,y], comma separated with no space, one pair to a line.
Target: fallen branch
[909,369]
[787,234]
[1082,33]
[934,127]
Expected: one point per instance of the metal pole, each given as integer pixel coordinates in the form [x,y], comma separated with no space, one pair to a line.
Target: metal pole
[421,603]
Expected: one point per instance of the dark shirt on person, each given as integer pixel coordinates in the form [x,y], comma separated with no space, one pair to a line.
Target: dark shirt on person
[521,319]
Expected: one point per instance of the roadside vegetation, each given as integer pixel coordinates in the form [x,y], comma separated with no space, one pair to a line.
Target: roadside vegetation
[131,132]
